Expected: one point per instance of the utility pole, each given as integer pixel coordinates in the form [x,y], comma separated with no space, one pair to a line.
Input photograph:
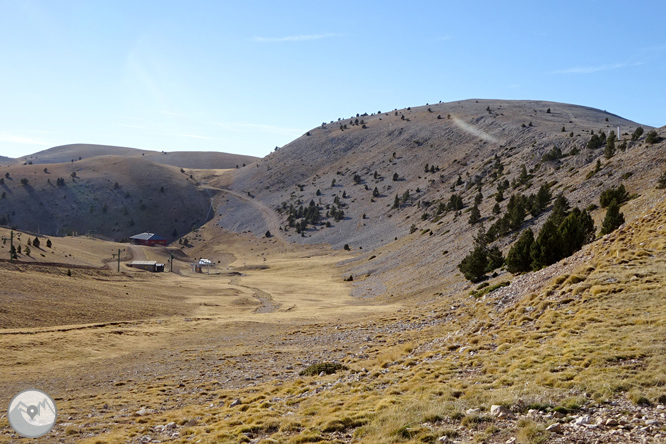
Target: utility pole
[12,251]
[118,255]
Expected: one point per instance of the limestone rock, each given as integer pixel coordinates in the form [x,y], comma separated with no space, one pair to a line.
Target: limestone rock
[555,428]
[501,411]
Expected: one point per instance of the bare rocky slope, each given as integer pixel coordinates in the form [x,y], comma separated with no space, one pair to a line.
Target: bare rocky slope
[112,196]
[109,191]
[347,159]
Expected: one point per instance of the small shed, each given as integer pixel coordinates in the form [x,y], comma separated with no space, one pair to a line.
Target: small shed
[149,239]
[148,266]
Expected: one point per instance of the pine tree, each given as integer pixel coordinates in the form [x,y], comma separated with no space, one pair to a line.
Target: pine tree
[609,151]
[518,258]
[396,202]
[576,230]
[523,174]
[497,209]
[560,210]
[36,242]
[474,215]
[495,258]
[478,198]
[48,243]
[473,266]
[499,196]
[614,218]
[546,249]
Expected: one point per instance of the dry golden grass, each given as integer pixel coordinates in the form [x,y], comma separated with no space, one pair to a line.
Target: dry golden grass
[592,335]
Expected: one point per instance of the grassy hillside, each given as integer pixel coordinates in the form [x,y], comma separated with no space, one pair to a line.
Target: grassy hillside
[277,345]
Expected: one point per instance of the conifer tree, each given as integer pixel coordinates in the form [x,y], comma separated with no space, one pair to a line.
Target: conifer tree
[614,218]
[518,258]
[576,230]
[546,249]
[609,151]
[474,215]
[473,266]
[495,258]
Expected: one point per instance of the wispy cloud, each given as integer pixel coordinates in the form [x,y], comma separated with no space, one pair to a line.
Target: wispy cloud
[591,69]
[17,138]
[295,38]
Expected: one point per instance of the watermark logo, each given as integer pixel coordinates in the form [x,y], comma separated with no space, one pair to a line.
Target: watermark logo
[32,413]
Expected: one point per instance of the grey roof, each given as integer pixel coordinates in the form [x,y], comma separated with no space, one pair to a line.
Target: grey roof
[144,263]
[147,236]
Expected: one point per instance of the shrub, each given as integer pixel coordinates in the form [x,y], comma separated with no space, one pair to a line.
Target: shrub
[661,184]
[553,154]
[395,177]
[24,181]
[327,367]
[346,247]
[618,194]
[652,137]
[637,134]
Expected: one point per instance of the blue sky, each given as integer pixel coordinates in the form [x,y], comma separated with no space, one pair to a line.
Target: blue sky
[244,77]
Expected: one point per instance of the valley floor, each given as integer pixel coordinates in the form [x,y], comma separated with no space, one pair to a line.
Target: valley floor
[575,352]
